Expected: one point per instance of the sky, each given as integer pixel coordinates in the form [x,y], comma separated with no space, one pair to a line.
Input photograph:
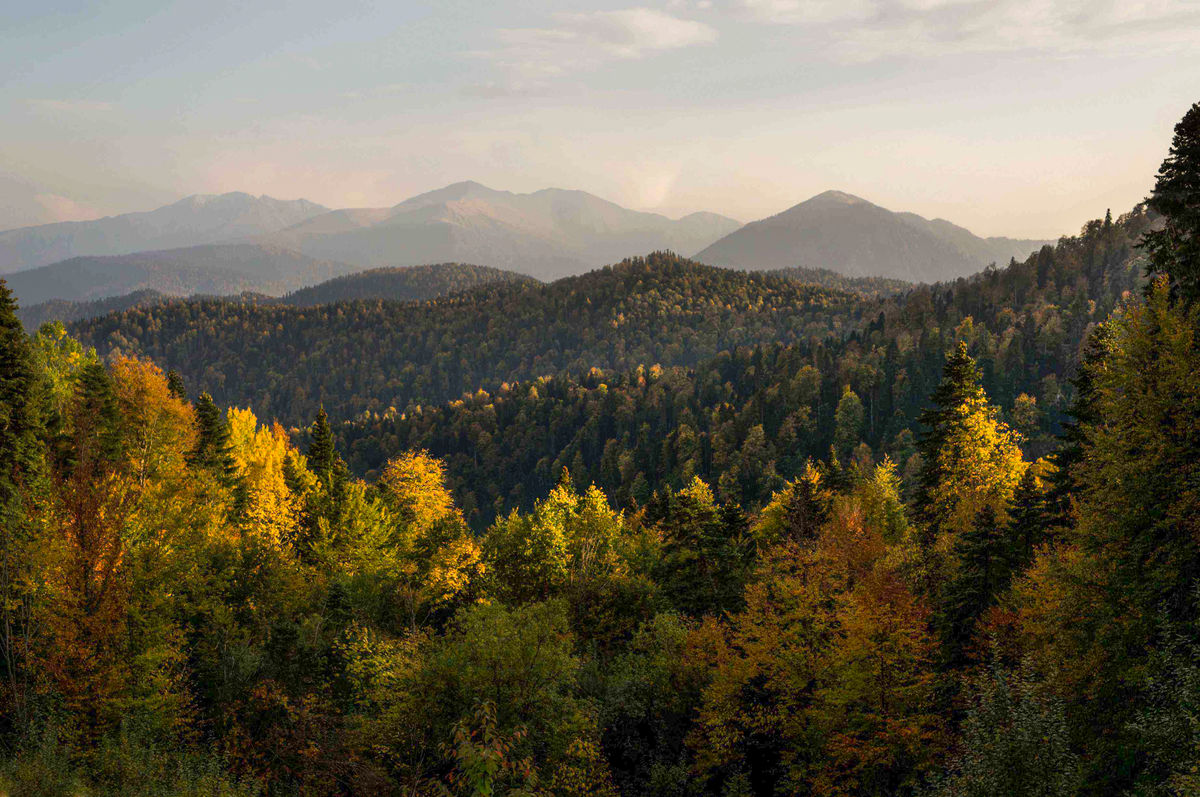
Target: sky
[1011,117]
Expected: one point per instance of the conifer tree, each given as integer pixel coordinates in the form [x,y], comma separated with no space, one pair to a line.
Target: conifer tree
[1072,440]
[21,428]
[95,418]
[961,383]
[984,555]
[1028,522]
[175,385]
[1175,249]
[213,451]
[20,413]
[321,453]
[806,506]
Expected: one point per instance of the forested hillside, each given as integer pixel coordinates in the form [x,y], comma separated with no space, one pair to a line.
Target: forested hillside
[414,283]
[193,604]
[748,419]
[367,356]
[871,287]
[402,284]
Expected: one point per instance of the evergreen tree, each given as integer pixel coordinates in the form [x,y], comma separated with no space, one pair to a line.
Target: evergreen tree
[1028,521]
[961,384]
[322,456]
[20,411]
[213,451]
[96,419]
[175,385]
[1175,249]
[21,428]
[805,506]
[984,554]
[1072,440]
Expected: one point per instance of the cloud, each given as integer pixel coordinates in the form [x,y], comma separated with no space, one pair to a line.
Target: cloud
[375,92]
[71,106]
[801,12]
[586,40]
[860,30]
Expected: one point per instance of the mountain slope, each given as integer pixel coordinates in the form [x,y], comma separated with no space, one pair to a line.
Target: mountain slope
[849,235]
[199,219]
[214,270]
[371,355]
[546,234]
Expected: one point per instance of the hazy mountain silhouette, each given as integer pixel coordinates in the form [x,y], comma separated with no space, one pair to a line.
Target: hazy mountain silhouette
[199,219]
[852,236]
[216,270]
[546,234]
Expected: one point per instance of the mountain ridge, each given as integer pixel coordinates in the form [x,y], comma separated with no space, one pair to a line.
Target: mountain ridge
[219,269]
[845,233]
[547,234]
[195,220]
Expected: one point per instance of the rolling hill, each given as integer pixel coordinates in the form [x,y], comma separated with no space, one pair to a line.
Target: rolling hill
[219,270]
[402,284]
[413,283]
[852,236]
[196,220]
[367,356]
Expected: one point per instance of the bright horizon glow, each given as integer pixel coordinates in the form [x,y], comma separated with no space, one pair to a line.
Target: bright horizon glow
[1022,118]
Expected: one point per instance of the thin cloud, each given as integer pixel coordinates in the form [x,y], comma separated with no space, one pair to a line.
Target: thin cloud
[869,29]
[581,41]
[806,12]
[71,106]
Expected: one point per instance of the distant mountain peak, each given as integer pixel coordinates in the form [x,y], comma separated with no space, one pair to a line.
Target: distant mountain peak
[857,238]
[834,197]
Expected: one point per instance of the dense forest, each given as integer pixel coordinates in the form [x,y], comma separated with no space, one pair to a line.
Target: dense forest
[402,284]
[368,356]
[748,419]
[193,604]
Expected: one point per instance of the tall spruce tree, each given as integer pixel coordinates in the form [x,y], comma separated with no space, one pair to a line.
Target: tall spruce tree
[984,554]
[1073,440]
[961,383]
[213,450]
[21,471]
[322,455]
[1028,520]
[175,385]
[95,421]
[1175,249]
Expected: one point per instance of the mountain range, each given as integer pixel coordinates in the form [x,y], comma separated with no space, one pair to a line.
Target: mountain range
[407,284]
[546,234]
[215,269]
[233,243]
[193,221]
[844,233]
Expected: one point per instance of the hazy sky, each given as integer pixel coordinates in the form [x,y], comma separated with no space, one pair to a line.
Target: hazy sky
[1013,117]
